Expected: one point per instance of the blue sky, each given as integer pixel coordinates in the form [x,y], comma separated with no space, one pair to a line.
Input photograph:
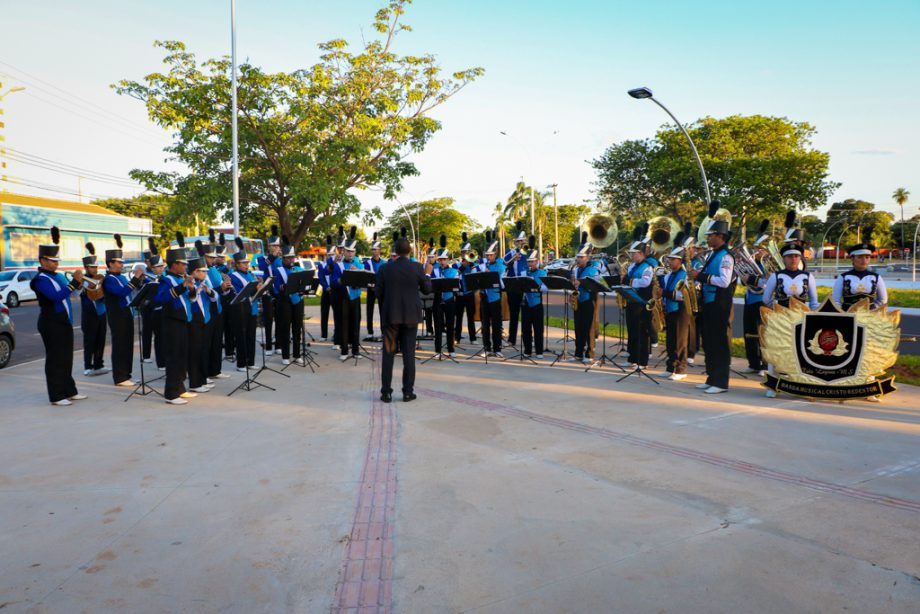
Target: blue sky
[556,80]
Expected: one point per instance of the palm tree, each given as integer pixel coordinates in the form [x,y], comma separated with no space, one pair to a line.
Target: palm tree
[900,196]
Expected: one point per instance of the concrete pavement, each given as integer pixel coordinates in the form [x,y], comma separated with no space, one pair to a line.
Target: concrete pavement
[503,488]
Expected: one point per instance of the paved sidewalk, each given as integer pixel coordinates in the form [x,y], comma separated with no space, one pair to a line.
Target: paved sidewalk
[503,488]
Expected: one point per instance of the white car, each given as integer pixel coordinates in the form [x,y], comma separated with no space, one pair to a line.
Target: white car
[14,287]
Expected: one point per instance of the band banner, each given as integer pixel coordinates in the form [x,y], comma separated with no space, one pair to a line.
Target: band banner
[817,391]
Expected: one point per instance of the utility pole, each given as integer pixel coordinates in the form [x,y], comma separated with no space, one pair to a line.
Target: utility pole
[12,90]
[555,221]
[233,124]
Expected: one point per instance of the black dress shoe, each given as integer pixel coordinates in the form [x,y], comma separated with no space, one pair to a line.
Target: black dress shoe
[409,397]
[386,397]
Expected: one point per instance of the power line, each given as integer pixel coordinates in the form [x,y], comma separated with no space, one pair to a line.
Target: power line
[23,156]
[71,98]
[88,177]
[52,188]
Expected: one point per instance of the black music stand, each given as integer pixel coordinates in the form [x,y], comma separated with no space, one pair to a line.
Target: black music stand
[558,282]
[480,282]
[615,281]
[438,285]
[309,292]
[359,278]
[563,274]
[143,297]
[521,285]
[297,283]
[252,292]
[632,297]
[599,285]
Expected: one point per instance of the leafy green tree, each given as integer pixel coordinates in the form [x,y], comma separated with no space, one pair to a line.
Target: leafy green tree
[757,167]
[431,218]
[863,223]
[900,196]
[308,139]
[159,209]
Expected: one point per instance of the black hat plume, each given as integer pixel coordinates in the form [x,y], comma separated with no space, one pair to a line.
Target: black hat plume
[679,239]
[285,241]
[55,235]
[763,227]
[790,219]
[713,208]
[353,232]
[212,237]
[638,233]
[375,237]
[464,237]
[222,239]
[584,237]
[118,241]
[180,238]
[239,244]
[442,241]
[328,239]
[91,249]
[531,242]
[152,245]
[199,247]
[274,230]
[402,232]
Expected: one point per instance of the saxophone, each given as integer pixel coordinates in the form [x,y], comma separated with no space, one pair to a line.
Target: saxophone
[688,288]
[573,297]
[655,305]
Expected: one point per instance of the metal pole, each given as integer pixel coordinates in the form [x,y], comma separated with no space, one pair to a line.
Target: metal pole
[699,162]
[235,137]
[824,237]
[556,220]
[837,248]
[913,269]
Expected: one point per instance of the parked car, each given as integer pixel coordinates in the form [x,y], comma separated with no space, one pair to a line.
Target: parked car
[14,287]
[561,263]
[7,335]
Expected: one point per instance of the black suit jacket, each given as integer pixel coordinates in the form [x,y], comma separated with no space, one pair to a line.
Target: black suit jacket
[398,285]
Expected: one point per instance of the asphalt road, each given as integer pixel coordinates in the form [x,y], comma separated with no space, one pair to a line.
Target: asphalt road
[29,343]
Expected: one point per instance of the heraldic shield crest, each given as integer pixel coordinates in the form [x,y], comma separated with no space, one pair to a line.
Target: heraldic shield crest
[829,343]
[830,353]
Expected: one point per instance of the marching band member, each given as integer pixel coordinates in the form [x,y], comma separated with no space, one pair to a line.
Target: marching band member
[532,312]
[717,280]
[444,308]
[429,300]
[55,321]
[220,286]
[325,299]
[676,316]
[515,260]
[289,307]
[118,289]
[223,267]
[270,298]
[584,313]
[151,313]
[791,282]
[92,315]
[243,315]
[466,301]
[490,301]
[696,253]
[794,235]
[753,300]
[656,266]
[351,300]
[200,297]
[860,282]
[173,296]
[372,264]
[333,273]
[639,276]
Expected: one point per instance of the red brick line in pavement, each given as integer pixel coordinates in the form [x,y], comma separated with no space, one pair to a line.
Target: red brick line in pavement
[365,583]
[703,457]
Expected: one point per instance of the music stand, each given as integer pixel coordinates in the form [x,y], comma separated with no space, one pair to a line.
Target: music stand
[632,297]
[297,283]
[141,299]
[438,285]
[558,282]
[359,278]
[599,286]
[252,292]
[480,282]
[563,274]
[311,292]
[521,285]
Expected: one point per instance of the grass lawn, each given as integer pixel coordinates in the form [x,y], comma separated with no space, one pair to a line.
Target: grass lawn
[896,297]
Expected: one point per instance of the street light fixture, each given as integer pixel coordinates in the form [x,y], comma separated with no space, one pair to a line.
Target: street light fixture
[837,248]
[641,93]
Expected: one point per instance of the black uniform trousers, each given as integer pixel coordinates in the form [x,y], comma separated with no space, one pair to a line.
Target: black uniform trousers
[339,296]
[93,327]
[289,320]
[398,338]
[717,342]
[57,335]
[325,304]
[268,321]
[215,342]
[371,299]
[532,327]
[696,331]
[229,332]
[152,334]
[198,355]
[751,341]
[121,325]
[638,323]
[584,317]
[466,303]
[677,324]
[351,325]
[244,326]
[514,304]
[175,346]
[444,317]
[429,320]
[490,314]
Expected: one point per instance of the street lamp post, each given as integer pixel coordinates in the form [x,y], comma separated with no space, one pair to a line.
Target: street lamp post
[824,237]
[12,90]
[555,220]
[641,93]
[913,269]
[233,124]
[837,248]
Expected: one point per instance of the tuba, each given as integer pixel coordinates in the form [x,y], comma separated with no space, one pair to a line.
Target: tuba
[745,264]
[661,233]
[472,257]
[602,230]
